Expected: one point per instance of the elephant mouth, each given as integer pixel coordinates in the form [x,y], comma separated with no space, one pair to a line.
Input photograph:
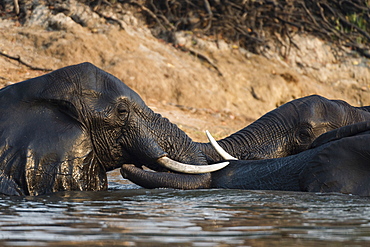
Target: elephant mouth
[195,169]
[159,160]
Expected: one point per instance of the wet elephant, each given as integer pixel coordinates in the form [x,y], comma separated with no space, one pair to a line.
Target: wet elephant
[66,129]
[337,161]
[287,130]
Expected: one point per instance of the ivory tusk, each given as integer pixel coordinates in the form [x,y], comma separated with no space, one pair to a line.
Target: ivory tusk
[192,169]
[218,148]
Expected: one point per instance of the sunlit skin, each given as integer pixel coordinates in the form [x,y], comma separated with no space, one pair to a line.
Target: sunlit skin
[66,129]
[288,130]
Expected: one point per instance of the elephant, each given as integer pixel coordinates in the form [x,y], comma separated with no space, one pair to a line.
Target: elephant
[337,161]
[285,131]
[64,130]
[288,129]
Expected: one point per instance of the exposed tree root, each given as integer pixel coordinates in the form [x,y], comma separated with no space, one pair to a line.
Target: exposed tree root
[19,59]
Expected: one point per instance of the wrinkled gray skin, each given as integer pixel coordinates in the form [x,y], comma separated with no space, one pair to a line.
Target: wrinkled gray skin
[65,130]
[285,131]
[289,129]
[338,161]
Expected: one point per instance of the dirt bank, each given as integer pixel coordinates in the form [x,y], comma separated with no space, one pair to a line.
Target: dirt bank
[201,84]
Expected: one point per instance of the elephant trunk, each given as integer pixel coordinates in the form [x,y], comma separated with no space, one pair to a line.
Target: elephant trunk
[151,180]
[269,174]
[253,142]
[164,139]
[166,148]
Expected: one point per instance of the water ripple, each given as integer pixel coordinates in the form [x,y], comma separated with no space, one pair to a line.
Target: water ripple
[128,215]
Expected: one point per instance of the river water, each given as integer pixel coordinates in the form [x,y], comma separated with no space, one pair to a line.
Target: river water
[127,215]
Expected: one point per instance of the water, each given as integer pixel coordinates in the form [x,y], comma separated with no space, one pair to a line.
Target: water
[128,215]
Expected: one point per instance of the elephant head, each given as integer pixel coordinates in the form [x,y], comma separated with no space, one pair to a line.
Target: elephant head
[287,130]
[66,129]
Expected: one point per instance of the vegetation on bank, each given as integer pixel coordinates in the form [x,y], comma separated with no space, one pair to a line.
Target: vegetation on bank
[251,24]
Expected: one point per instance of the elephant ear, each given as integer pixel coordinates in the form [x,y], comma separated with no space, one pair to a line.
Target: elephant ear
[71,88]
[40,133]
[342,166]
[64,107]
[345,131]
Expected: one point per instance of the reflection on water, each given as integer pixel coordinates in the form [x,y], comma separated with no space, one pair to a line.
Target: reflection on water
[127,215]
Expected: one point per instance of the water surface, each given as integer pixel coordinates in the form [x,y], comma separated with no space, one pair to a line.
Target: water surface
[128,215]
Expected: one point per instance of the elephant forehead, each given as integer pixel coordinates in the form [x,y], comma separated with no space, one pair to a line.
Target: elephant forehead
[106,102]
[83,81]
[313,105]
[323,113]
[110,93]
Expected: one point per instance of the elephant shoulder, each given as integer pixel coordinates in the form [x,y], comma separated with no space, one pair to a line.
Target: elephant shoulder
[340,166]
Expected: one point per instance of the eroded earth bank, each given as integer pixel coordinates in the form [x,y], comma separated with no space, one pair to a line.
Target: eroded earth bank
[200,83]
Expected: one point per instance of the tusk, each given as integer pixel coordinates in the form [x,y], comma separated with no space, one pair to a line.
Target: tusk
[218,148]
[193,169]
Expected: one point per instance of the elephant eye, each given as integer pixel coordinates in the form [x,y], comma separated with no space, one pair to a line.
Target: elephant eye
[122,110]
[304,135]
